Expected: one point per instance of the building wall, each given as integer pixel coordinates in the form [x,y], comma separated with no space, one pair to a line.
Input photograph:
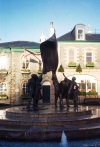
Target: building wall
[15,77]
[80,49]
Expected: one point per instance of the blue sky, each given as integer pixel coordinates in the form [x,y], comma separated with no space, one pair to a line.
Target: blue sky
[26,19]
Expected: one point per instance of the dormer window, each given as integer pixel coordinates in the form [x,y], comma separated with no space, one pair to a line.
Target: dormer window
[80,34]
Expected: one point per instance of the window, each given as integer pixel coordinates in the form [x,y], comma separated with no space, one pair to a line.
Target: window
[25,63]
[94,86]
[80,34]
[24,88]
[88,57]
[86,83]
[82,86]
[71,55]
[3,62]
[2,88]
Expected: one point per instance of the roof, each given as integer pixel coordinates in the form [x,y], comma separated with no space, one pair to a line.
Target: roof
[70,36]
[67,36]
[93,37]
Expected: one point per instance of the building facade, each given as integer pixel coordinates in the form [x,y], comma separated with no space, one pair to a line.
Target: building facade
[78,49]
[16,67]
[79,54]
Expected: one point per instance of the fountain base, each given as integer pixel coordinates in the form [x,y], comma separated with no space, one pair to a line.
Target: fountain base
[47,124]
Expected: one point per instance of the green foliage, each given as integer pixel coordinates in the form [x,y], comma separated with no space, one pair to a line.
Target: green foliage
[39,71]
[90,64]
[88,93]
[72,64]
[92,93]
[78,68]
[3,96]
[82,93]
[61,69]
[25,96]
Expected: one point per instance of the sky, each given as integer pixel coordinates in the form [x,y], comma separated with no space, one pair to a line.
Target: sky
[25,20]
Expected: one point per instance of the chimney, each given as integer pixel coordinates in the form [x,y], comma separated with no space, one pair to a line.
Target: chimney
[52,30]
[89,30]
[42,38]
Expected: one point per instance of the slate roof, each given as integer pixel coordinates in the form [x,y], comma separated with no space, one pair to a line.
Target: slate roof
[93,37]
[67,36]
[70,36]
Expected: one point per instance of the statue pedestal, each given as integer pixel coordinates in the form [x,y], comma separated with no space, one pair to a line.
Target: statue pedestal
[48,88]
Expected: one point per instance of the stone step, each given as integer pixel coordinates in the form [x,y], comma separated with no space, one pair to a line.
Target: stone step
[49,121]
[48,125]
[51,133]
[14,113]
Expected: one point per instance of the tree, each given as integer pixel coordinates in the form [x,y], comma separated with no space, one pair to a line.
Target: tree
[61,69]
[78,68]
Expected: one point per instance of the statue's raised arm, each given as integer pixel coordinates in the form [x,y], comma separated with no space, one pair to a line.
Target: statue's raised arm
[49,54]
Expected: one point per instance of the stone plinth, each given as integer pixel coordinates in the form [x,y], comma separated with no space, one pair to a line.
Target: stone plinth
[48,78]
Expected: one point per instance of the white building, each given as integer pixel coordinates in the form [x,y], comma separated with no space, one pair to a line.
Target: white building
[78,47]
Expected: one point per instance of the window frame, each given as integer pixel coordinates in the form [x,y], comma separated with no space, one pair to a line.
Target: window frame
[74,55]
[80,35]
[3,89]
[89,49]
[26,63]
[89,56]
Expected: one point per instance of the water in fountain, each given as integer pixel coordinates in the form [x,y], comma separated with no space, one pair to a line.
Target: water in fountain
[81,143]
[64,142]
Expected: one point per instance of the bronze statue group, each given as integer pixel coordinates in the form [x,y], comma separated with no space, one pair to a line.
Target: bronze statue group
[66,89]
[34,91]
